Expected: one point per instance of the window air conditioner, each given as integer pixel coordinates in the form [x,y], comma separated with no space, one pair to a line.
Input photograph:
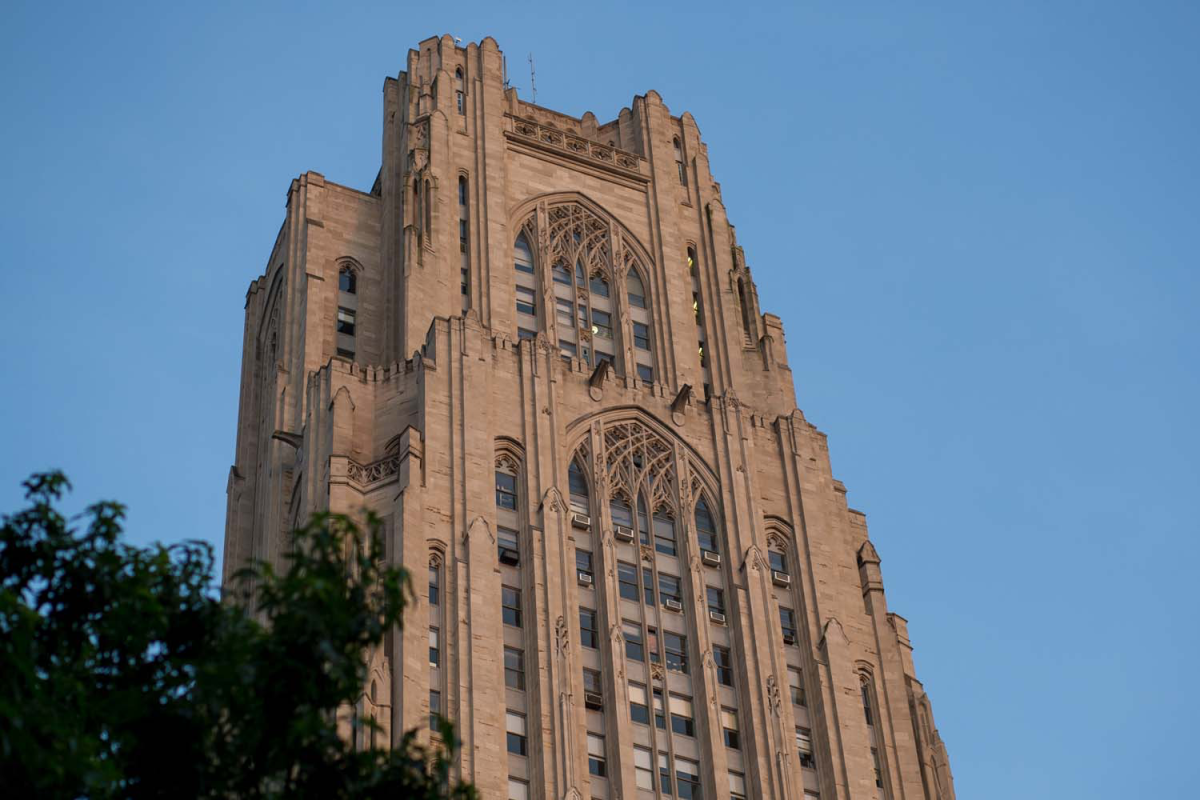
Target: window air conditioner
[581,521]
[673,605]
[717,617]
[623,533]
[710,558]
[780,578]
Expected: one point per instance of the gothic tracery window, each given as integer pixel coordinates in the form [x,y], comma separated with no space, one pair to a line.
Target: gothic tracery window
[583,309]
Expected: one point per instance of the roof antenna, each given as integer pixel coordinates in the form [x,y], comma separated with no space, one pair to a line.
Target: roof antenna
[532,80]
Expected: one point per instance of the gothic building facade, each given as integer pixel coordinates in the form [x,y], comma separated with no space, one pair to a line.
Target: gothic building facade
[535,349]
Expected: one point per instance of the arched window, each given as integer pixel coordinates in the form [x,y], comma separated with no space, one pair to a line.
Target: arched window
[347,281]
[619,510]
[525,288]
[706,528]
[679,165]
[635,289]
[580,500]
[460,101]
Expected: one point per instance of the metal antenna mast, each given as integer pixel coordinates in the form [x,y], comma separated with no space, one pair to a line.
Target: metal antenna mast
[532,80]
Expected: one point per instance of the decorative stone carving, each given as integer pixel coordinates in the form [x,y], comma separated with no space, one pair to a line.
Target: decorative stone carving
[773,694]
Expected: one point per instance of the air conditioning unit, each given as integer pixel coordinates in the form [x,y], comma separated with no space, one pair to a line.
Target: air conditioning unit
[710,558]
[717,617]
[673,605]
[622,533]
[593,700]
[789,638]
[780,578]
[581,521]
[585,579]
[509,556]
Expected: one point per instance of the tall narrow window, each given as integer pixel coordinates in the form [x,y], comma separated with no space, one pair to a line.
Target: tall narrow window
[460,99]
[679,165]
[729,725]
[787,623]
[706,529]
[687,778]
[635,289]
[506,490]
[588,634]
[435,583]
[676,647]
[796,684]
[464,242]
[744,302]
[682,715]
[716,600]
[510,604]
[724,662]
[435,647]
[866,701]
[435,709]
[514,668]
[805,748]
[639,708]
[578,485]
[518,742]
[643,768]
[347,282]
[698,313]
[596,757]
[737,786]
[634,648]
[428,206]
[526,284]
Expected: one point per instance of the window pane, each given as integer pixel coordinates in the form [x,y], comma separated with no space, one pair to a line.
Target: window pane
[664,535]
[514,668]
[523,256]
[506,490]
[634,649]
[587,627]
[777,561]
[347,281]
[645,373]
[627,580]
[621,513]
[517,789]
[641,336]
[511,606]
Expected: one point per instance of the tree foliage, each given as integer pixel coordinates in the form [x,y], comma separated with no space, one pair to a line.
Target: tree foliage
[122,674]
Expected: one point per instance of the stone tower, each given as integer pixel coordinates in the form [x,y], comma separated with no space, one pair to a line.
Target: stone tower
[535,349]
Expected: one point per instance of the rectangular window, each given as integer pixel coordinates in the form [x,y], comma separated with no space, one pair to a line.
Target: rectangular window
[878,768]
[648,585]
[664,535]
[518,743]
[506,491]
[866,698]
[634,648]
[687,776]
[724,662]
[435,648]
[508,545]
[716,599]
[435,709]
[583,562]
[601,324]
[566,312]
[669,588]
[525,333]
[777,561]
[596,759]
[526,300]
[463,235]
[641,336]
[435,586]
[664,774]
[729,724]
[676,646]
[514,668]
[510,602]
[660,710]
[561,274]
[737,786]
[567,349]
[787,621]
[643,768]
[587,628]
[345,321]
[652,645]
[518,789]
[683,720]
[645,373]
[639,710]
[591,681]
[796,684]
[627,581]
[805,748]
[620,512]
[344,353]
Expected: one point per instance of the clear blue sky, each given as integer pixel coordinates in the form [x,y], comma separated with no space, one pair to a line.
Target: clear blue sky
[978,221]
